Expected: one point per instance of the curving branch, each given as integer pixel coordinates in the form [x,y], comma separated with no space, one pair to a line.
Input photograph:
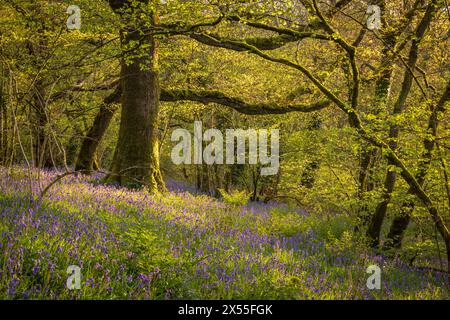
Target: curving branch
[237,103]
[284,35]
[262,43]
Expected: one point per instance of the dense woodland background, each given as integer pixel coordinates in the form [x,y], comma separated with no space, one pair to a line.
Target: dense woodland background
[362,114]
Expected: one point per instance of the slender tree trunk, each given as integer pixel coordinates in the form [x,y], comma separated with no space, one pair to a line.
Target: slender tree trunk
[401,222]
[255,180]
[399,226]
[3,124]
[376,221]
[86,156]
[42,145]
[206,181]
[366,163]
[309,173]
[38,48]
[383,86]
[374,230]
[198,178]
[368,153]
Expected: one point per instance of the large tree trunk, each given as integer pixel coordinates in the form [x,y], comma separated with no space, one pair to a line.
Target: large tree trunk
[136,159]
[86,156]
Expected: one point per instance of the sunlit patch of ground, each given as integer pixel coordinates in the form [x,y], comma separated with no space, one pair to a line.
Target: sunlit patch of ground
[130,245]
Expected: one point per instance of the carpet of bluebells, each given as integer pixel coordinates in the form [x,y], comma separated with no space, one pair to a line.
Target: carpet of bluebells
[130,245]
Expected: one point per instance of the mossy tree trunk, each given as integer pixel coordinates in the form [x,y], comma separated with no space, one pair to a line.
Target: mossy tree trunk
[308,177]
[374,230]
[3,123]
[370,154]
[401,221]
[136,159]
[86,157]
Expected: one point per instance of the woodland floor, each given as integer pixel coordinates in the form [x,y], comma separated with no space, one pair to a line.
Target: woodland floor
[131,245]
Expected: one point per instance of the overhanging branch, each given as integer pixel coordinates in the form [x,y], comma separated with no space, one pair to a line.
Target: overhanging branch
[237,103]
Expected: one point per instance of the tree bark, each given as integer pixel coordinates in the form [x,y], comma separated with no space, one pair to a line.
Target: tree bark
[309,173]
[374,230]
[136,160]
[86,156]
[42,157]
[368,154]
[401,222]
[382,88]
[3,124]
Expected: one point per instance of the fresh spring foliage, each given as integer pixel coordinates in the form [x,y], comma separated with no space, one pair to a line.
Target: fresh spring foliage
[236,198]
